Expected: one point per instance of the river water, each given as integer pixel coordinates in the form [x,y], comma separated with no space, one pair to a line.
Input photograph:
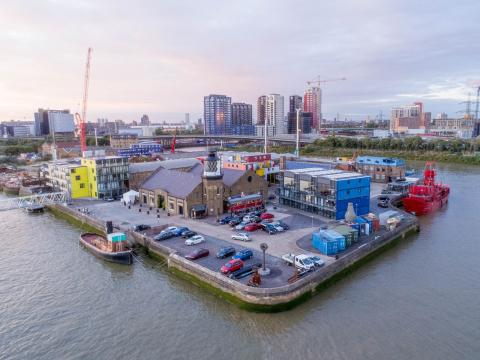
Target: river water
[419,300]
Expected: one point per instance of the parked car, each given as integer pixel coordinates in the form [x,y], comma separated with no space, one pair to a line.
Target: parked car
[316,260]
[231,266]
[245,271]
[194,240]
[226,219]
[225,252]
[180,230]
[241,226]
[282,224]
[170,228]
[188,234]
[243,254]
[266,216]
[234,222]
[110,199]
[300,261]
[383,203]
[251,218]
[141,227]
[241,236]
[197,254]
[164,235]
[278,228]
[252,227]
[269,228]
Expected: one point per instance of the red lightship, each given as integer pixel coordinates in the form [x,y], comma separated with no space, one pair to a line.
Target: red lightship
[426,198]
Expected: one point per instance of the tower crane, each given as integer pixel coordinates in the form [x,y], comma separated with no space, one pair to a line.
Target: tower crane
[81,119]
[318,82]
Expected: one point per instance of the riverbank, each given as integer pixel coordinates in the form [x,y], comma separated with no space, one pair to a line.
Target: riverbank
[263,299]
[334,152]
[441,157]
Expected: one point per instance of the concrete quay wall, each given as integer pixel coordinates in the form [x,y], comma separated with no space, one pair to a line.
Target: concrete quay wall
[259,299]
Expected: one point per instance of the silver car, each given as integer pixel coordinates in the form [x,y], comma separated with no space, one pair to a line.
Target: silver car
[241,236]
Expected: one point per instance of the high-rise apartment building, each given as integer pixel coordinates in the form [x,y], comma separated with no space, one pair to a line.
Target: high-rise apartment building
[217,113]
[275,113]
[312,102]
[49,121]
[261,110]
[242,123]
[295,102]
[409,117]
[145,120]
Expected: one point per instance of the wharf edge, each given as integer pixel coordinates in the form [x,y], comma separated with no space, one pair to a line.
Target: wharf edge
[253,299]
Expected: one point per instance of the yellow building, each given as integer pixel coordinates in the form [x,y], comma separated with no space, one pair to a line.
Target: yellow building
[107,176]
[70,177]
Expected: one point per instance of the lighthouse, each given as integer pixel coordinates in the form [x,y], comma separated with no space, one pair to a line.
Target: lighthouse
[212,179]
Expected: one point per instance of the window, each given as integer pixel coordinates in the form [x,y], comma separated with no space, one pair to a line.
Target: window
[73,171]
[82,186]
[77,177]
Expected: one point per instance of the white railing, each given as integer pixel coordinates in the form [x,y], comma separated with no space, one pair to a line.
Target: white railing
[37,199]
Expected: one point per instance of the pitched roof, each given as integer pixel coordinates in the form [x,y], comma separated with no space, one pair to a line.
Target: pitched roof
[180,184]
[177,183]
[166,164]
[231,176]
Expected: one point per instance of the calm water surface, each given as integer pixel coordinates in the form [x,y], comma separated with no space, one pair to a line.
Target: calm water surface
[420,300]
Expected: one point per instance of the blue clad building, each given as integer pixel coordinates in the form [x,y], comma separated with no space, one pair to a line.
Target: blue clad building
[325,192]
[141,149]
[381,169]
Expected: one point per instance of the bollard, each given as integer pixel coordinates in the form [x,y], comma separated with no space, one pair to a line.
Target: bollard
[148,212]
[158,216]
[139,210]
[129,207]
[158,210]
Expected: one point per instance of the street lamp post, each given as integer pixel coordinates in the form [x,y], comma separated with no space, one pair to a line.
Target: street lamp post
[264,270]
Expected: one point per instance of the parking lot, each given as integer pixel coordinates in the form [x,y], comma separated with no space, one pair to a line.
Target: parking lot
[216,235]
[280,272]
[296,240]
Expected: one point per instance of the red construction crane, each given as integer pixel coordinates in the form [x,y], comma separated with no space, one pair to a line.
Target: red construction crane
[81,120]
[174,141]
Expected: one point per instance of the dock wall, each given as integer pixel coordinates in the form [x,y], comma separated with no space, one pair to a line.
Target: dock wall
[260,299]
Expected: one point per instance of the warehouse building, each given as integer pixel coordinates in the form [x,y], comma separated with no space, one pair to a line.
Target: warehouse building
[139,172]
[325,192]
[201,191]
[381,169]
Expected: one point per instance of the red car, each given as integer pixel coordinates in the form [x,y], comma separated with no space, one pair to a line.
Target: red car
[231,266]
[265,216]
[252,227]
[197,254]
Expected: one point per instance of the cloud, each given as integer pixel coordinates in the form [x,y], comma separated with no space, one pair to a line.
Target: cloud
[163,57]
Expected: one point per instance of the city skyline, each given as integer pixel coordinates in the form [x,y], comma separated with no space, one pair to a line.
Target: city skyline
[162,59]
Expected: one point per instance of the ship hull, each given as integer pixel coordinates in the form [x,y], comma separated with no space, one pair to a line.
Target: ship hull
[120,257]
[419,206]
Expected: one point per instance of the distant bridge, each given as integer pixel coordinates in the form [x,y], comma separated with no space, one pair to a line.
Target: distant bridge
[37,199]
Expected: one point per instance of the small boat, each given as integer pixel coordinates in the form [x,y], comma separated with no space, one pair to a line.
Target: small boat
[34,209]
[109,249]
[427,197]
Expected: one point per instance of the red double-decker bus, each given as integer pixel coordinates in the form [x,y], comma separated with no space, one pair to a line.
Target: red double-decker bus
[244,204]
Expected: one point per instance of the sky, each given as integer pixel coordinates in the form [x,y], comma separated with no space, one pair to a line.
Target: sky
[160,57]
